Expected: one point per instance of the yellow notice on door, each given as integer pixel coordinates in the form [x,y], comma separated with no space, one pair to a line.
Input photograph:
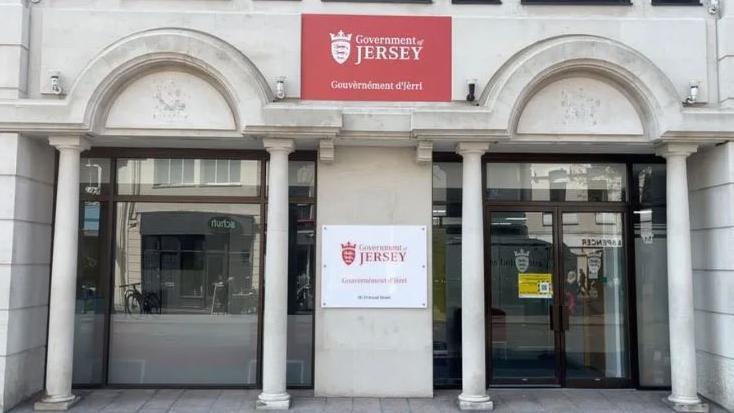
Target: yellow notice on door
[534,285]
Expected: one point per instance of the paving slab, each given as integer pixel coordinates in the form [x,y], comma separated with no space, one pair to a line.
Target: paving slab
[526,400]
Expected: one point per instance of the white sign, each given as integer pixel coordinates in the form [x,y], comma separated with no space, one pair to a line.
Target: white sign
[374,266]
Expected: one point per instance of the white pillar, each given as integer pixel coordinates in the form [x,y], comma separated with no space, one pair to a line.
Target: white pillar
[275,312]
[60,350]
[684,394]
[473,346]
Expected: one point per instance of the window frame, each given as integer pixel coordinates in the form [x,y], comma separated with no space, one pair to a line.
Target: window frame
[111,198]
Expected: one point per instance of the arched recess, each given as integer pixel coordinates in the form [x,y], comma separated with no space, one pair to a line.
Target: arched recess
[533,68]
[209,58]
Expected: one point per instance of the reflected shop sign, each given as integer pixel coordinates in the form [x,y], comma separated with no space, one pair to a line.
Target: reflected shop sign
[378,58]
[374,266]
[223,224]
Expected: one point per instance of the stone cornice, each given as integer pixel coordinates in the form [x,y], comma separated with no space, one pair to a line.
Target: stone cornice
[448,122]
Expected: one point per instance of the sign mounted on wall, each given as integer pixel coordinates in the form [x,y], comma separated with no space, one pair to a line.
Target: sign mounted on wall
[374,266]
[378,58]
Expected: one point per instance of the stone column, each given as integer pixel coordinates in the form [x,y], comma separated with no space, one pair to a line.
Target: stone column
[60,350]
[275,313]
[684,395]
[474,381]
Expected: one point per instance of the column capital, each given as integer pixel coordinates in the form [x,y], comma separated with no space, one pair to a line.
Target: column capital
[279,145]
[467,148]
[675,149]
[71,142]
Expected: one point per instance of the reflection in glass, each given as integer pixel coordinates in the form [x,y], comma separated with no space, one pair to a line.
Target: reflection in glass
[188,177]
[301,252]
[556,182]
[595,297]
[648,203]
[523,341]
[446,264]
[91,294]
[302,179]
[185,294]
[94,177]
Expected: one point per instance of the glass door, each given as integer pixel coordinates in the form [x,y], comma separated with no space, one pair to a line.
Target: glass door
[524,331]
[594,310]
[557,296]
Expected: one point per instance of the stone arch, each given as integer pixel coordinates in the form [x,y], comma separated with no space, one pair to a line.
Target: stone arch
[542,63]
[228,70]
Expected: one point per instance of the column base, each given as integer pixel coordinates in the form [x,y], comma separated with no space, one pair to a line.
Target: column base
[56,403]
[276,401]
[475,403]
[696,406]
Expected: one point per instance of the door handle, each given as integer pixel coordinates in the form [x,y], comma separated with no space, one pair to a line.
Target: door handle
[550,317]
[553,314]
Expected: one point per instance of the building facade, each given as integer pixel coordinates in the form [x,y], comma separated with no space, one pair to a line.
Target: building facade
[191,189]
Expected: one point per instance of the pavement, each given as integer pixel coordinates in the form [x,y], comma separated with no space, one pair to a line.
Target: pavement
[527,400]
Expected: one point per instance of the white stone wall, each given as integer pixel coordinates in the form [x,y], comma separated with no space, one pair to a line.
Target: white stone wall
[14,48]
[26,185]
[711,185]
[373,352]
[484,36]
[725,54]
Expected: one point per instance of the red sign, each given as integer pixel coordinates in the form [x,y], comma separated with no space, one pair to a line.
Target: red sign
[386,58]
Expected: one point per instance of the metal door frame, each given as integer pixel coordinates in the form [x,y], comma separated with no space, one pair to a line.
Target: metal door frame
[557,209]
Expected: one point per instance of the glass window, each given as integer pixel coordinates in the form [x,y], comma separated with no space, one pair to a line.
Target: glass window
[595,297]
[221,171]
[94,177]
[188,177]
[186,291]
[446,274]
[301,250]
[302,178]
[649,221]
[91,295]
[556,182]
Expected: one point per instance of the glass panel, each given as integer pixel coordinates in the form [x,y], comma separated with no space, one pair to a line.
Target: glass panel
[234,172]
[302,179]
[208,171]
[556,182]
[94,176]
[301,256]
[222,171]
[189,171]
[523,341]
[595,301]
[151,177]
[446,239]
[177,172]
[186,294]
[447,181]
[648,203]
[91,295]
